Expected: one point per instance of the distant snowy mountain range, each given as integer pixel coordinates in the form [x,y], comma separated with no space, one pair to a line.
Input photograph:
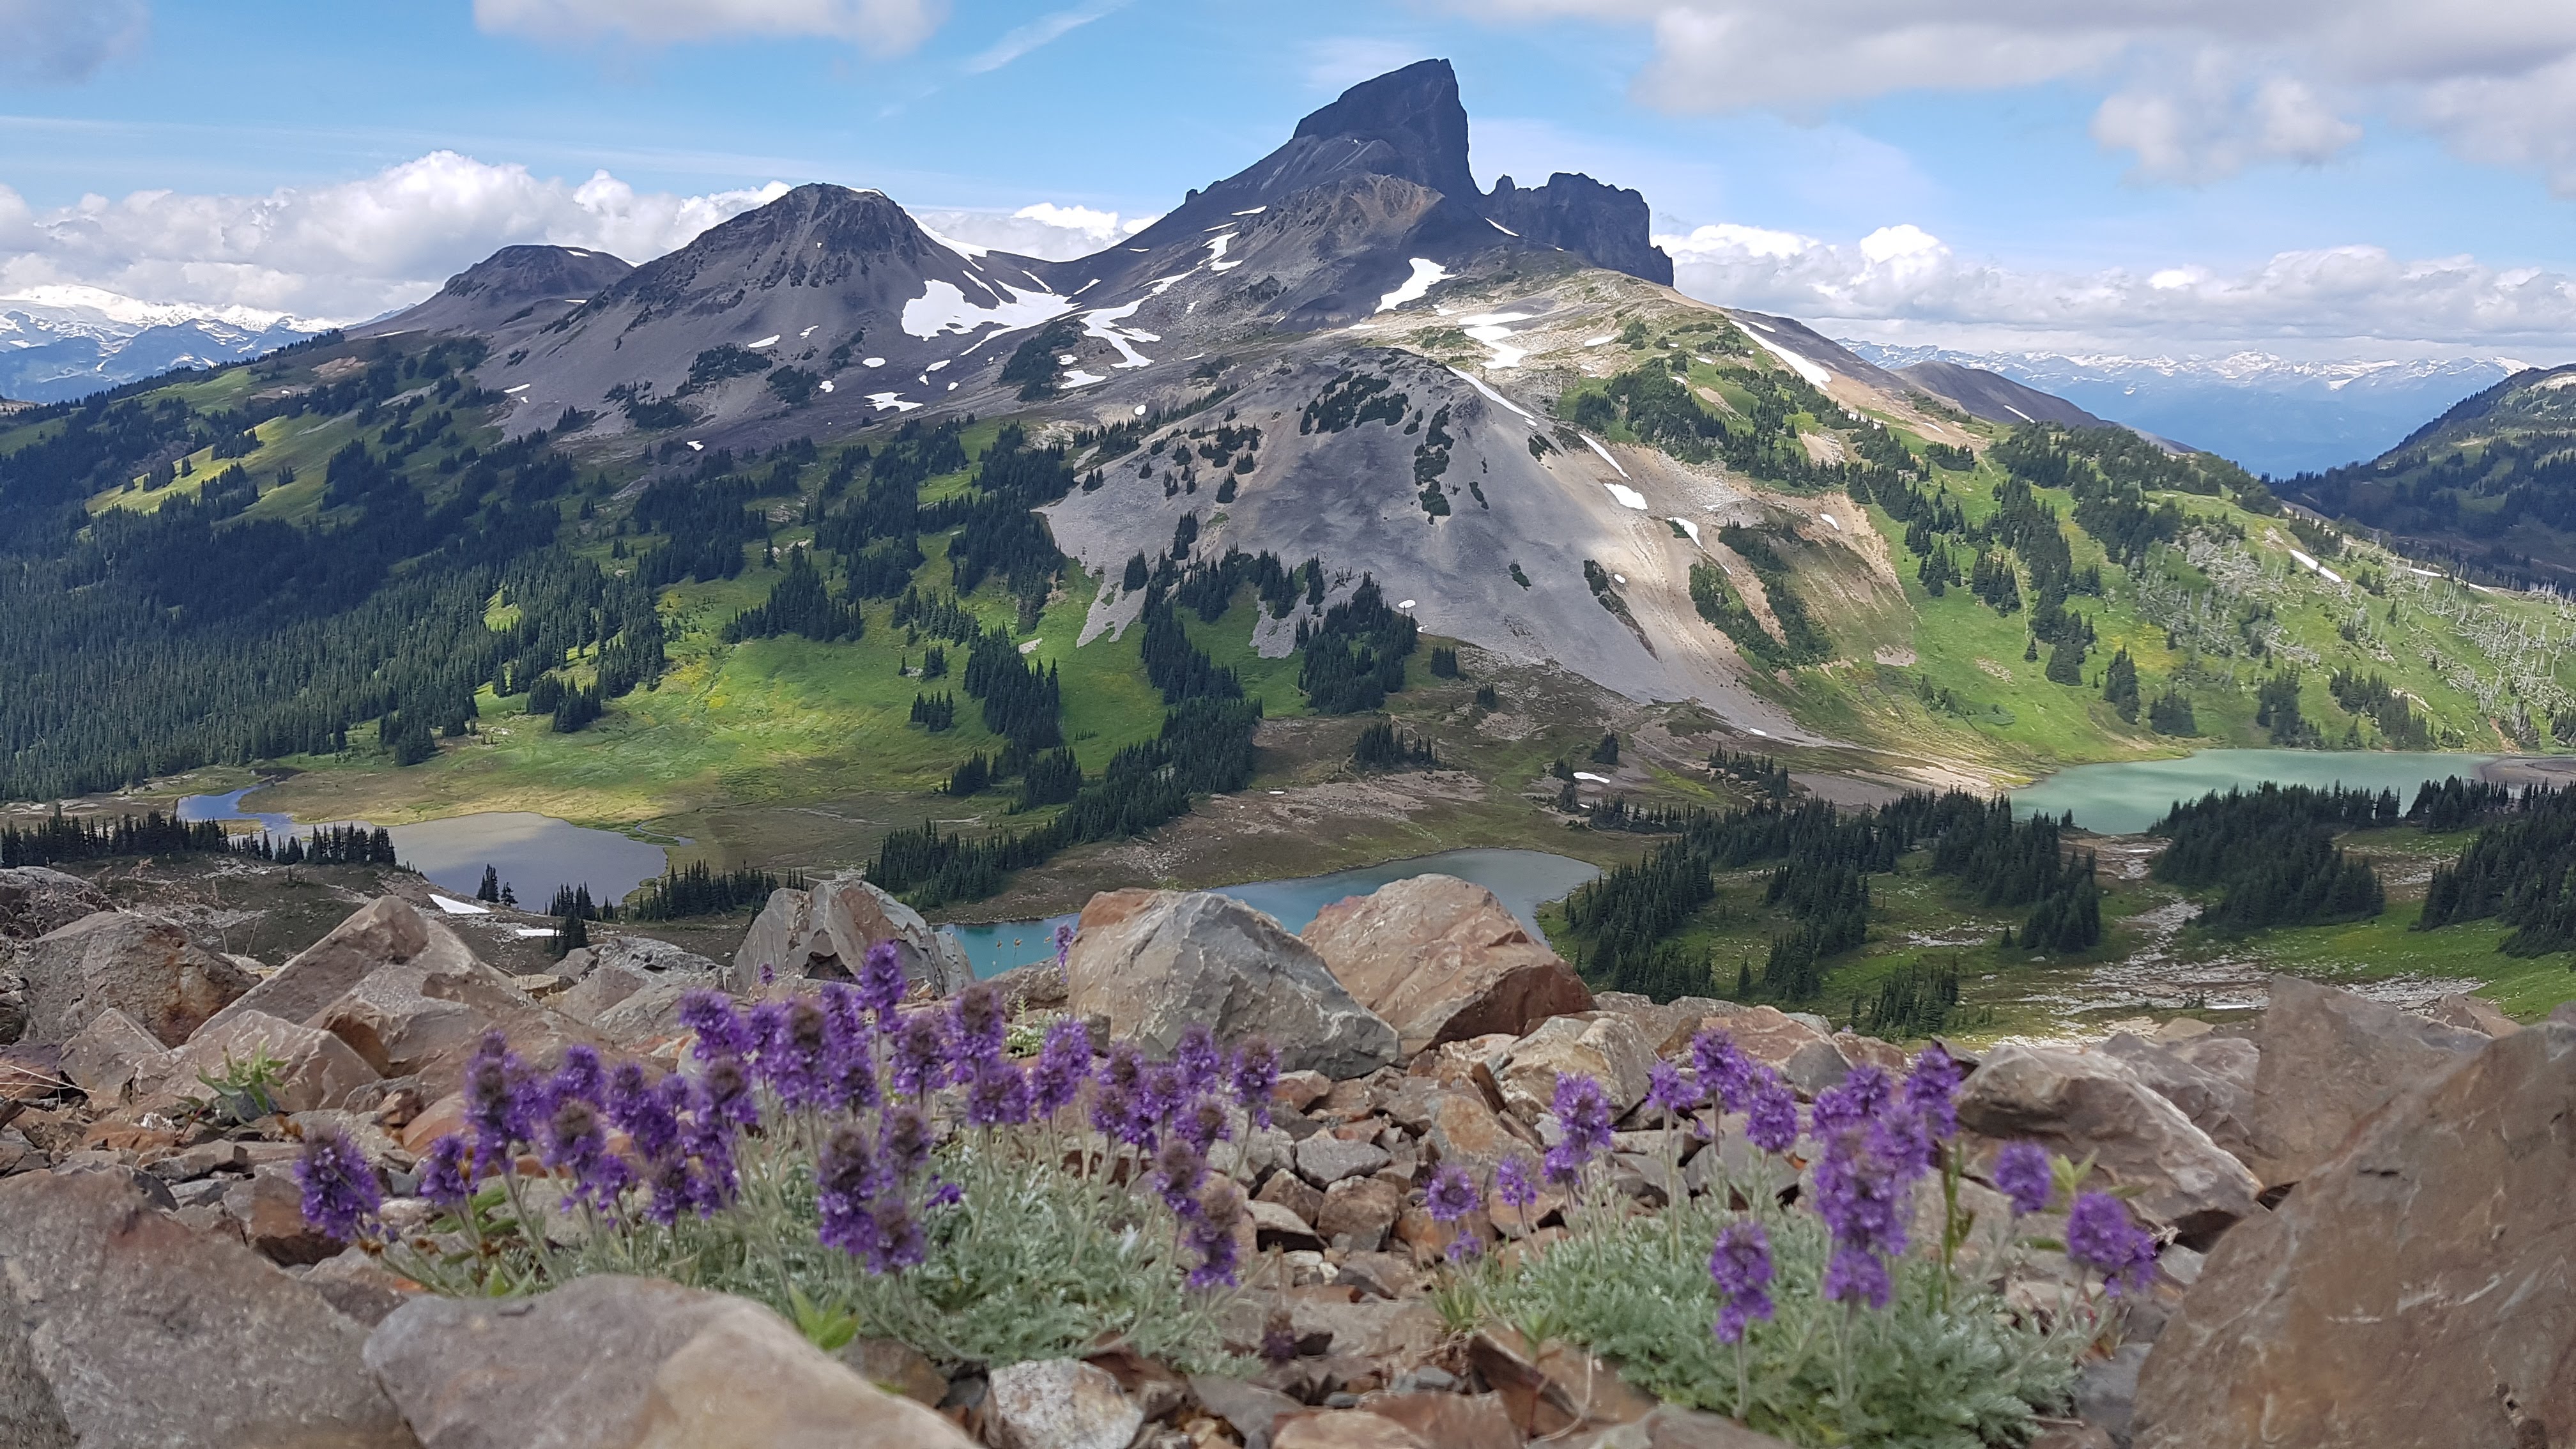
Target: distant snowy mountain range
[61,342]
[2269,413]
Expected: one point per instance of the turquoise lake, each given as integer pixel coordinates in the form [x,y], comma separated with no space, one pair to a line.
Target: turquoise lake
[2126,798]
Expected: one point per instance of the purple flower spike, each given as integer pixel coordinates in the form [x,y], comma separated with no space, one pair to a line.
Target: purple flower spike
[340,1193]
[1857,1276]
[904,1144]
[920,1055]
[720,1031]
[1512,1184]
[579,1077]
[1063,945]
[844,1181]
[1771,1116]
[446,1173]
[978,1028]
[499,1101]
[1722,1067]
[881,982]
[1256,1072]
[1452,1194]
[724,1096]
[1740,1265]
[1178,1170]
[2022,1173]
[998,1095]
[1582,1113]
[1196,1059]
[1672,1093]
[1062,1064]
[2101,1235]
[1931,1089]
[798,1061]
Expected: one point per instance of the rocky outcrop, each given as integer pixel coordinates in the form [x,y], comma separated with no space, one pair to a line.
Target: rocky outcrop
[2329,1059]
[2413,1293]
[1441,959]
[387,931]
[2087,1104]
[629,988]
[822,934]
[308,1068]
[625,1363]
[146,968]
[2217,1104]
[1156,962]
[1605,225]
[35,899]
[1608,1049]
[120,1326]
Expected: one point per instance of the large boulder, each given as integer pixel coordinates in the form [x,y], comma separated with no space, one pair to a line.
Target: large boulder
[1608,1049]
[104,1057]
[35,899]
[146,968]
[2329,1059]
[629,988]
[1156,962]
[823,932]
[1441,960]
[307,1068]
[2413,1293]
[2086,1104]
[626,1363]
[121,1326]
[2217,1104]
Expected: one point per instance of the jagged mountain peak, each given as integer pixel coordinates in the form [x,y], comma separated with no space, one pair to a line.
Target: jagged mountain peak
[1415,114]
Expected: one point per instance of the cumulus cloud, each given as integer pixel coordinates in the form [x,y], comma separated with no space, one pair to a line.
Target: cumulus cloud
[2195,89]
[883,27]
[343,252]
[1903,282]
[1056,233]
[51,41]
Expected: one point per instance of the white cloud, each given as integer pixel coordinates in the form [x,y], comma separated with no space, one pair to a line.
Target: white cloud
[343,252]
[884,27]
[1057,233]
[60,41]
[1902,282]
[1045,30]
[2195,89]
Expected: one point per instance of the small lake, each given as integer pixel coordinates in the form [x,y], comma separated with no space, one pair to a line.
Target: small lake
[2126,798]
[535,854]
[1523,880]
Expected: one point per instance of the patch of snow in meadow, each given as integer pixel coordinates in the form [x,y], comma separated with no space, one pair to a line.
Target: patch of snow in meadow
[876,362]
[1498,226]
[1687,526]
[808,332]
[1256,211]
[1603,340]
[827,384]
[1829,522]
[509,391]
[942,307]
[1489,329]
[1426,273]
[894,400]
[1103,324]
[1815,376]
[1628,497]
[1593,778]
[1216,254]
[769,341]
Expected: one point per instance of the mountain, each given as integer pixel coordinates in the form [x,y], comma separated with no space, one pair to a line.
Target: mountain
[516,290]
[64,342]
[2490,484]
[2272,414]
[1995,397]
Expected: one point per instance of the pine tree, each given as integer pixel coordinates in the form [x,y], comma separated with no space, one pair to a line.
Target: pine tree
[490,889]
[2120,685]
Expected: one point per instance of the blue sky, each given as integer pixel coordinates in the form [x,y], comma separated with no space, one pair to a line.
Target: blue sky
[2009,196]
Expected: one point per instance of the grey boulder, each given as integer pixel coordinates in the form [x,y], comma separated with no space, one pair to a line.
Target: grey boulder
[146,968]
[2329,1059]
[35,899]
[822,933]
[1157,962]
[629,988]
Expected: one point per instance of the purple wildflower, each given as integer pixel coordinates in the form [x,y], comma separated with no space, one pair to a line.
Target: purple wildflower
[1196,1061]
[649,1114]
[881,983]
[1583,1115]
[1178,1170]
[720,1031]
[1852,1103]
[797,1059]
[978,1028]
[1464,1248]
[1209,1231]
[768,974]
[575,1139]
[2022,1173]
[1159,1094]
[1203,1124]
[579,1078]
[1740,1265]
[2100,1235]
[904,1143]
[1930,1089]
[1062,1064]
[945,1195]
[1512,1184]
[997,1095]
[899,1243]
[1857,1276]
[1674,1094]
[497,1100]
[341,1197]
[1256,1073]
[1113,1115]
[674,1189]
[844,1181]
[724,1095]
[446,1174]
[920,1055]
[1771,1116]
[1452,1194]
[1063,945]
[766,1025]
[1723,1070]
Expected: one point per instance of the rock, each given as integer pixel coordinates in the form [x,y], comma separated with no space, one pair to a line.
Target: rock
[270,1209]
[1608,1049]
[2084,1104]
[36,900]
[103,1057]
[2469,1013]
[1769,1035]
[1276,1226]
[2411,1294]
[1448,1421]
[1292,1192]
[145,968]
[1869,1051]
[1298,1091]
[2106,1389]
[1059,1403]
[2073,1434]
[1460,1128]
[310,1068]
[387,930]
[2215,1104]
[1668,1026]
[629,988]
[2231,1059]
[1340,1429]
[823,932]
[1815,1067]
[624,1363]
[360,1287]
[1441,959]
[121,1326]
[1549,1391]
[1249,1407]
[1358,1212]
[896,1367]
[1671,1426]
[1325,1159]
[1157,962]
[643,954]
[1037,985]
[2331,1058]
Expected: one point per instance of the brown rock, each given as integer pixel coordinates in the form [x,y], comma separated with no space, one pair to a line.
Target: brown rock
[2082,1104]
[1668,1026]
[1292,1192]
[387,930]
[360,1287]
[438,1119]
[121,1326]
[824,933]
[145,968]
[1767,1035]
[1551,1390]
[35,900]
[312,1069]
[1158,962]
[1609,1049]
[1250,1408]
[270,1208]
[1340,1429]
[1448,1421]
[628,988]
[1058,1404]
[1869,1051]
[2469,1013]
[2411,1294]
[2331,1058]
[2215,1104]
[1298,1091]
[1468,1065]
[896,1367]
[1460,1128]
[104,1057]
[1441,959]
[1672,1427]
[631,1363]
[1276,1226]
[1358,1212]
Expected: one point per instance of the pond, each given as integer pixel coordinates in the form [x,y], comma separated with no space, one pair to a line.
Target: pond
[1523,880]
[2126,798]
[535,854]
